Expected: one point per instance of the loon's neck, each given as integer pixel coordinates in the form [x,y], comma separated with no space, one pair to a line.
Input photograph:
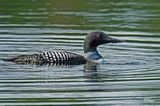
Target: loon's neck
[94,56]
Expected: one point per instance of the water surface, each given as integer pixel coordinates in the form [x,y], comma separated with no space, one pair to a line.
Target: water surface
[129,75]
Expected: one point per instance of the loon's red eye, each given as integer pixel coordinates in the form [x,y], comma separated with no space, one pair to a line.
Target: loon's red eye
[99,36]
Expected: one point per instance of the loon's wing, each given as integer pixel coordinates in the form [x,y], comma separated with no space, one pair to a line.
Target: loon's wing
[64,58]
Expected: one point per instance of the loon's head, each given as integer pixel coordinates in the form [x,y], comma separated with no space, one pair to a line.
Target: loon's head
[93,40]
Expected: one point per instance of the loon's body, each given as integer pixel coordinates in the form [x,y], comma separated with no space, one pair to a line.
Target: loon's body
[91,42]
[54,57]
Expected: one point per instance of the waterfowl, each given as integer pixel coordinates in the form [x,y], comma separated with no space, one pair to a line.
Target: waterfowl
[91,42]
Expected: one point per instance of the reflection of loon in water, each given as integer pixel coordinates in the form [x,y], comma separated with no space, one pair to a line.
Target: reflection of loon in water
[91,42]
[90,72]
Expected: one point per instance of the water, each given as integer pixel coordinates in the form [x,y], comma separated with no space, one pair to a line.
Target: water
[129,75]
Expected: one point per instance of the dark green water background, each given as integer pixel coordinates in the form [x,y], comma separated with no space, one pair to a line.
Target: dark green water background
[130,75]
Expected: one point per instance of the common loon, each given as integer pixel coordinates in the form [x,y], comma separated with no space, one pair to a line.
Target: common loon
[91,42]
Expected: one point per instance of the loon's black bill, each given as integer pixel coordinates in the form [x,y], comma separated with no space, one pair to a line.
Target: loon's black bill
[113,40]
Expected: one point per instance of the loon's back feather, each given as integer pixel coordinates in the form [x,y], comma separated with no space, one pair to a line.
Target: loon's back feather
[66,58]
